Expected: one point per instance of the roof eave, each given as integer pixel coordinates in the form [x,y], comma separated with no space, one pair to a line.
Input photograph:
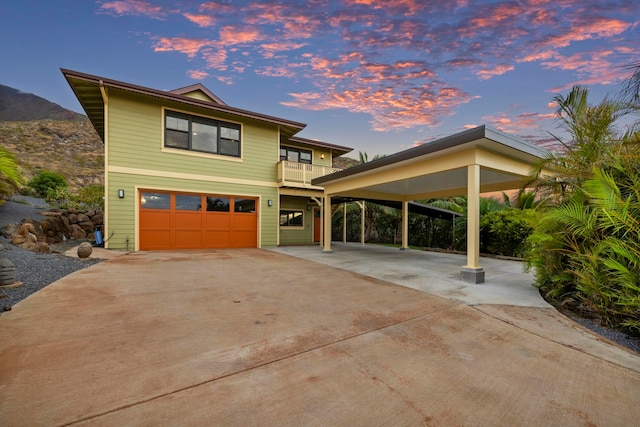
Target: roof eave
[292,126]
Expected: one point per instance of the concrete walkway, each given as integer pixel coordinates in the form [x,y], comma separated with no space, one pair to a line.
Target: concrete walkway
[255,337]
[432,272]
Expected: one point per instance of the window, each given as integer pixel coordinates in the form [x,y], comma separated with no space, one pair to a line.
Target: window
[194,133]
[295,155]
[244,205]
[186,202]
[155,200]
[291,218]
[217,204]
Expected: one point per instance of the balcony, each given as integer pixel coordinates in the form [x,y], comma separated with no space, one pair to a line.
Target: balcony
[293,174]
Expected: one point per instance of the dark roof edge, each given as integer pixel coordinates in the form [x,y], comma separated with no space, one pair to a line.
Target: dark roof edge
[180,98]
[307,141]
[454,140]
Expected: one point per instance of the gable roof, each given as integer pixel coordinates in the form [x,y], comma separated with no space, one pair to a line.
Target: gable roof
[198,87]
[90,91]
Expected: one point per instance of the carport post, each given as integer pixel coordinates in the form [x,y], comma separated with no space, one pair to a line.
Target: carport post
[405,225]
[344,222]
[472,272]
[327,223]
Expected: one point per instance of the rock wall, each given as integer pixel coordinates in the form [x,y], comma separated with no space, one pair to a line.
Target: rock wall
[57,226]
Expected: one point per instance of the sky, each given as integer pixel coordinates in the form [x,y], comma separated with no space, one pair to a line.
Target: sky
[379,76]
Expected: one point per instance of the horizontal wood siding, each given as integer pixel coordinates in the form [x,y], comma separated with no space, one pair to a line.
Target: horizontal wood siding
[136,140]
[121,212]
[297,236]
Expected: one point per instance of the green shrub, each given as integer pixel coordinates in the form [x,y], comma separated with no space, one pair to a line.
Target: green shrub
[89,197]
[62,198]
[505,232]
[46,181]
[92,196]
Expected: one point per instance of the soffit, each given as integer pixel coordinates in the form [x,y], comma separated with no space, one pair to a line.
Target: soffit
[440,168]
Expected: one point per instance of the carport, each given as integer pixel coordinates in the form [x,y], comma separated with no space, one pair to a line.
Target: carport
[479,160]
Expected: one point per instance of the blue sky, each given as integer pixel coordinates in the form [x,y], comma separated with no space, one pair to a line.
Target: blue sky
[379,76]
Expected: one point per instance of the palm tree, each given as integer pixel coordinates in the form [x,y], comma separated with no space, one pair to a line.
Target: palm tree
[10,174]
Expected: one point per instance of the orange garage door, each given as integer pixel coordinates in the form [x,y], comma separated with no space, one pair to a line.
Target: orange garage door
[197,221]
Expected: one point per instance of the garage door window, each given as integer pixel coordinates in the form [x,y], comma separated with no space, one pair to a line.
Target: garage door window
[188,203]
[244,205]
[217,204]
[155,200]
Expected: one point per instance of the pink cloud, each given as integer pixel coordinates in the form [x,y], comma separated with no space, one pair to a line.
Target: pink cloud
[498,70]
[197,74]
[134,7]
[200,20]
[188,46]
[230,35]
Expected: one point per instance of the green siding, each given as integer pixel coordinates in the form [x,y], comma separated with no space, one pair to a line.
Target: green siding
[120,225]
[297,236]
[135,140]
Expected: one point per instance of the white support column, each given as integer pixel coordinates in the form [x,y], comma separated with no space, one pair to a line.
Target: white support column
[327,223]
[472,272]
[363,206]
[405,226]
[344,223]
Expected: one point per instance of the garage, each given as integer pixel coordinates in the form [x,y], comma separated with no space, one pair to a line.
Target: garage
[173,220]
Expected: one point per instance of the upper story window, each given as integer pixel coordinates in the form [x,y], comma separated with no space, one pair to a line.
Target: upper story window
[195,133]
[295,155]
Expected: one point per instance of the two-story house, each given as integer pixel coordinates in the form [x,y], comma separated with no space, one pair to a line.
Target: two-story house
[183,170]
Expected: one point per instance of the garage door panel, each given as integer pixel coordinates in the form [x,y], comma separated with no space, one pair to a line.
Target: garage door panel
[188,221]
[218,239]
[155,239]
[244,239]
[188,239]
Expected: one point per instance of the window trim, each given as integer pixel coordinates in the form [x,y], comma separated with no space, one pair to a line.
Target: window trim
[206,120]
[299,151]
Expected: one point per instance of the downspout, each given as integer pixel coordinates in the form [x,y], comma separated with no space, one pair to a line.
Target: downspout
[105,214]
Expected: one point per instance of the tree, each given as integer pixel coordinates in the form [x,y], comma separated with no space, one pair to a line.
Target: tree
[586,247]
[10,175]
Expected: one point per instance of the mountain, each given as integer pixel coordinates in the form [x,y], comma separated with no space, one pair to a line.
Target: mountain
[18,106]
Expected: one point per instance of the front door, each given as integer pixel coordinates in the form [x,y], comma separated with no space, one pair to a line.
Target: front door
[316,224]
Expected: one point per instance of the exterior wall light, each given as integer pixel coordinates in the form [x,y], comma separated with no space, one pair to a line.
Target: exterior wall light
[322,156]
[269,202]
[121,193]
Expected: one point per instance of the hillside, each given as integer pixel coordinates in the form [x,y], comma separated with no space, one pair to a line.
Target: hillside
[20,106]
[71,148]
[44,136]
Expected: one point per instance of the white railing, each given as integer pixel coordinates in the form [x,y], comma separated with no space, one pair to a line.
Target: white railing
[300,174]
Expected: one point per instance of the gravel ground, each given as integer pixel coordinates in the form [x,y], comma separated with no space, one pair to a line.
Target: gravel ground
[36,271]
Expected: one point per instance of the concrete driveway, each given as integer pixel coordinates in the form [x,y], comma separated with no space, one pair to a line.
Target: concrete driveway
[256,337]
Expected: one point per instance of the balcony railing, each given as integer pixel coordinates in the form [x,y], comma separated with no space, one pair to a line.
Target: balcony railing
[293,174]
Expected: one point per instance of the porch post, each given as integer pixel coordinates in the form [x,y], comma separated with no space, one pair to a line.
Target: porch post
[344,223]
[327,223]
[405,226]
[472,272]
